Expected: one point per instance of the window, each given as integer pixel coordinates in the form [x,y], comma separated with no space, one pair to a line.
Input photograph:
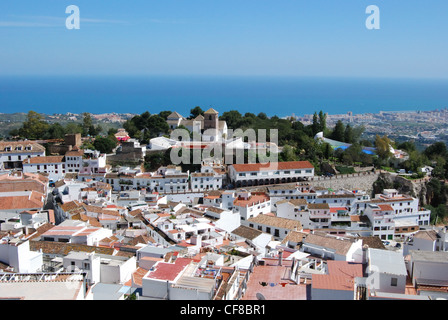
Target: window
[393,282]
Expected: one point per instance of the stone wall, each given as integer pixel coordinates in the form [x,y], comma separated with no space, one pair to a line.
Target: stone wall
[356,181]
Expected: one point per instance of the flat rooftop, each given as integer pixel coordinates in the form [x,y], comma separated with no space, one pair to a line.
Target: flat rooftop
[270,282]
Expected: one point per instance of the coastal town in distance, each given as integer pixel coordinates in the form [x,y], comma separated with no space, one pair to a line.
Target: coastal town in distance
[104,214]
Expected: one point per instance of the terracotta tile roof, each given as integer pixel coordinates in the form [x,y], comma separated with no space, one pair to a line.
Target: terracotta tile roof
[75,152]
[278,222]
[246,232]
[386,207]
[254,199]
[35,147]
[289,165]
[340,247]
[316,206]
[427,235]
[168,271]
[294,202]
[44,160]
[63,248]
[33,200]
[42,229]
[341,276]
[11,185]
[91,220]
[294,236]
[136,278]
[372,242]
[69,206]
[142,239]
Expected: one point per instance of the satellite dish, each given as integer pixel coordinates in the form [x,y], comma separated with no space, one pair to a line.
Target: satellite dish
[260,296]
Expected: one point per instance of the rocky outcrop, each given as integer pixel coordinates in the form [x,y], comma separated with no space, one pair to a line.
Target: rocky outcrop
[415,188]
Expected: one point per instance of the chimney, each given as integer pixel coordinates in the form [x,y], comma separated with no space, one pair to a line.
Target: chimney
[280,257]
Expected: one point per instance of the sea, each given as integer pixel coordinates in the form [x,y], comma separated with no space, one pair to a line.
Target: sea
[281,96]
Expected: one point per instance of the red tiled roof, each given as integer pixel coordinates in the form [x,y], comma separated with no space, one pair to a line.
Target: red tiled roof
[273,166]
[253,199]
[168,271]
[386,207]
[44,160]
[341,276]
[33,200]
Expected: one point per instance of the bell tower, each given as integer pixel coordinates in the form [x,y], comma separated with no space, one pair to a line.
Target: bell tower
[211,117]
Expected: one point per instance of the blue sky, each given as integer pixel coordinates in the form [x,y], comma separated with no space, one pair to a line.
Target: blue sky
[210,37]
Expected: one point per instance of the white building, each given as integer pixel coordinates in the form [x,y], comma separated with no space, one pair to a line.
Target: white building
[101,268]
[16,253]
[253,174]
[277,227]
[405,207]
[12,153]
[207,179]
[319,215]
[333,248]
[428,272]
[54,166]
[208,126]
[178,280]
[76,233]
[381,217]
[165,180]
[337,283]
[293,192]
[386,271]
[427,240]
[250,205]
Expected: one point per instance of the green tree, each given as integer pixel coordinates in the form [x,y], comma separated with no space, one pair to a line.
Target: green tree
[315,125]
[233,119]
[105,144]
[338,133]
[348,134]
[146,126]
[165,114]
[382,145]
[196,111]
[55,131]
[262,116]
[322,121]
[436,149]
[287,154]
[34,126]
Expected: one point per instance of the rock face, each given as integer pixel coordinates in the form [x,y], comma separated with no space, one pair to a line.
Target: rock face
[53,201]
[415,188]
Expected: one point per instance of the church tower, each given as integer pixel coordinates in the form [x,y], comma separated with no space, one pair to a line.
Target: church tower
[211,117]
